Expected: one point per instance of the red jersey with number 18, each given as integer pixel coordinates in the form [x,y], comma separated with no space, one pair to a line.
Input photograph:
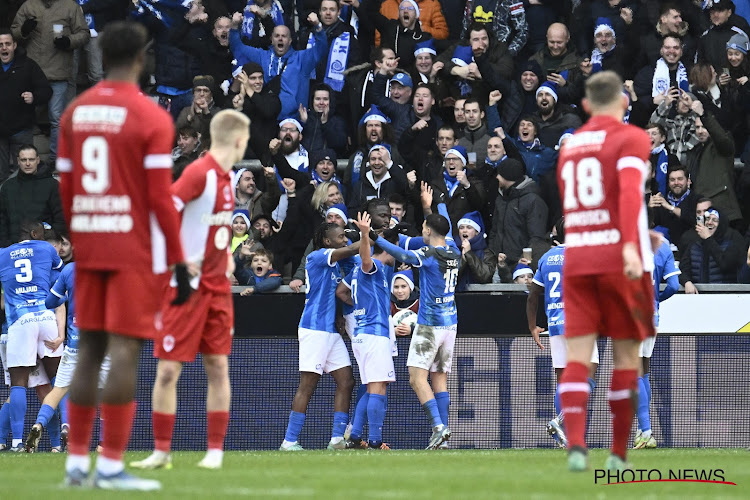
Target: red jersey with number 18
[601,173]
[114,159]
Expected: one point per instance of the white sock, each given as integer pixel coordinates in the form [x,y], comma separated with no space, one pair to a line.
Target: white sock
[80,462]
[16,442]
[287,444]
[215,454]
[646,434]
[336,440]
[108,466]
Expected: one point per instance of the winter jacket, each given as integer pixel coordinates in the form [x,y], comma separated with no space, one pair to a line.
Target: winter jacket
[431,17]
[711,167]
[57,64]
[520,221]
[261,284]
[394,181]
[717,259]
[651,46]
[537,157]
[495,65]
[318,135]
[35,197]
[509,18]
[681,137]
[478,264]
[332,32]
[572,91]
[294,67]
[551,129]
[262,108]
[262,202]
[463,200]
[393,36]
[24,75]
[476,141]
[712,45]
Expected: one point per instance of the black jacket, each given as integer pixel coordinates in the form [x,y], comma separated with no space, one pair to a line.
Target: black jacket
[35,197]
[262,109]
[24,75]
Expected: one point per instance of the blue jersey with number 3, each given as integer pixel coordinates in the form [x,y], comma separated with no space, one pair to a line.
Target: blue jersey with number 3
[64,288]
[25,270]
[549,276]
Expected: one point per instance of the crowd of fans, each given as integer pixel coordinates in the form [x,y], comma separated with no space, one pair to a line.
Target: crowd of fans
[473,98]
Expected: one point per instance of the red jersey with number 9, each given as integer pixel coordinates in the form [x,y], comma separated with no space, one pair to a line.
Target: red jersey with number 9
[114,159]
[601,174]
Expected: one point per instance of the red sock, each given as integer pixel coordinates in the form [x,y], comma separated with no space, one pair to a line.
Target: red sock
[163,424]
[217,429]
[81,420]
[574,395]
[621,391]
[119,420]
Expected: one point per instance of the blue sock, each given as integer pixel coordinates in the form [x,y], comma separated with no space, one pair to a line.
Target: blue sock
[361,391]
[360,416]
[647,381]
[443,400]
[4,422]
[296,421]
[17,411]
[592,384]
[62,407]
[340,421]
[376,416]
[53,430]
[45,415]
[433,414]
[558,405]
[644,418]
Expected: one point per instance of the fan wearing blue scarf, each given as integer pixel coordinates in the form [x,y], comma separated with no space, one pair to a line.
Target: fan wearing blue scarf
[477,262]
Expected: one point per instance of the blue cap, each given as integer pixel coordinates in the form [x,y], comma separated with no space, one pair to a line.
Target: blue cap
[339,209]
[406,275]
[602,24]
[473,219]
[374,113]
[459,151]
[426,46]
[549,87]
[241,212]
[462,56]
[521,269]
[402,78]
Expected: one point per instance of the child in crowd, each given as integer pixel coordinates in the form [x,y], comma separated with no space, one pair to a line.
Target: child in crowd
[522,275]
[259,275]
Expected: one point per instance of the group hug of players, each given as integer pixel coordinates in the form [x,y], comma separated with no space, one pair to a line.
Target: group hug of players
[609,289]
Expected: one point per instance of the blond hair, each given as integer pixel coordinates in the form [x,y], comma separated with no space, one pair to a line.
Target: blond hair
[225,126]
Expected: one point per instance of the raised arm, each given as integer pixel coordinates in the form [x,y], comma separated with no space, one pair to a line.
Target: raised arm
[406,256]
[365,253]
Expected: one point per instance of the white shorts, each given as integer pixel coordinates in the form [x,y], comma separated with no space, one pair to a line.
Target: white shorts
[373,355]
[647,347]
[321,352]
[37,376]
[68,366]
[26,338]
[350,323]
[559,349]
[431,348]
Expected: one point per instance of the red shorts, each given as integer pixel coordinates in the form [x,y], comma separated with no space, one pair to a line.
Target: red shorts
[124,302]
[609,304]
[202,324]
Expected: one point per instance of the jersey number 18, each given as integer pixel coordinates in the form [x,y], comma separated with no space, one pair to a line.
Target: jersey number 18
[583,183]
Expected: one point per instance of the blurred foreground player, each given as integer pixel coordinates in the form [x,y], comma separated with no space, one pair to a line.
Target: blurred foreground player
[203,194]
[601,174]
[115,171]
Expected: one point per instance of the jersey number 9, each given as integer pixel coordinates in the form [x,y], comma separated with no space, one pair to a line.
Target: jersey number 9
[95,160]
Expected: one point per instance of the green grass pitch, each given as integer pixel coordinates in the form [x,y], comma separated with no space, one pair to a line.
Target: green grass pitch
[445,474]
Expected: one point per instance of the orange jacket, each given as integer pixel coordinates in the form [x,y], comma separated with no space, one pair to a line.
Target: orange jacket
[430,15]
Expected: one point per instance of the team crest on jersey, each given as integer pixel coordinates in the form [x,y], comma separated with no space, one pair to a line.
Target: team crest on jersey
[168,343]
[221,238]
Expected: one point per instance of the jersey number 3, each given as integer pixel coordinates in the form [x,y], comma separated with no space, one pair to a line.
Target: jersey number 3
[95,160]
[583,183]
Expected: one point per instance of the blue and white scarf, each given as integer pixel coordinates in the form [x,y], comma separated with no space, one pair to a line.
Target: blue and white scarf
[662,164]
[596,58]
[248,19]
[450,182]
[675,202]
[493,164]
[163,10]
[88,17]
[337,58]
[660,83]
[347,12]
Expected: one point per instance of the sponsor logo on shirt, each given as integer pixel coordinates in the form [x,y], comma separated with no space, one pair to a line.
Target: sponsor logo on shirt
[22,253]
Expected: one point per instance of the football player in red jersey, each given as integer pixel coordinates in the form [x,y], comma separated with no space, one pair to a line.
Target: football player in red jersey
[115,172]
[203,194]
[608,257]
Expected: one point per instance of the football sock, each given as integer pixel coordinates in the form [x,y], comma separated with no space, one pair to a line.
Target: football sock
[644,419]
[62,407]
[433,414]
[293,429]
[376,416]
[647,381]
[340,421]
[119,420]
[360,416]
[81,424]
[592,384]
[443,400]
[218,421]
[361,391]
[17,412]
[45,414]
[53,430]
[4,422]
[163,425]
[574,395]
[621,391]
[558,404]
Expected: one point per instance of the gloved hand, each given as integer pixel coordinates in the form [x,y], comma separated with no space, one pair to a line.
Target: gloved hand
[183,284]
[28,26]
[352,234]
[373,235]
[62,42]
[393,232]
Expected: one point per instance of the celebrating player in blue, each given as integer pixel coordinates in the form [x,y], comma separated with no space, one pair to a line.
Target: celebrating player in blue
[548,281]
[431,348]
[665,268]
[25,269]
[367,288]
[321,348]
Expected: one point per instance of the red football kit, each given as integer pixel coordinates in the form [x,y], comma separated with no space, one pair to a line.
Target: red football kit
[601,174]
[203,194]
[114,159]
